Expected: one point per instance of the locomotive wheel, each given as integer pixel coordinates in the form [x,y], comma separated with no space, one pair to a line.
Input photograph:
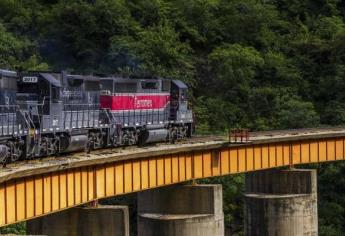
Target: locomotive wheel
[99,140]
[183,132]
[173,134]
[129,137]
[15,151]
[49,146]
[3,160]
[95,141]
[4,155]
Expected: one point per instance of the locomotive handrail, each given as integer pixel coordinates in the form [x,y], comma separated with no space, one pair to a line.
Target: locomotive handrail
[72,105]
[82,104]
[106,112]
[9,106]
[8,120]
[149,116]
[26,97]
[75,108]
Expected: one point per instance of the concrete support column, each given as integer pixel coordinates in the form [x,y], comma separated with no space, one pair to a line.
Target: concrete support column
[281,202]
[80,221]
[183,210]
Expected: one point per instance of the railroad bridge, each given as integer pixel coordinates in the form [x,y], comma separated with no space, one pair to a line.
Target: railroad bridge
[38,190]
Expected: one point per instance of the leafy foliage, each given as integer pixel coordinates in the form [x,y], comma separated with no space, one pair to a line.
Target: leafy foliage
[331,188]
[19,229]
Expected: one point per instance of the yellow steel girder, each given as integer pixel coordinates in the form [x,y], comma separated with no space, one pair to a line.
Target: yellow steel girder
[29,197]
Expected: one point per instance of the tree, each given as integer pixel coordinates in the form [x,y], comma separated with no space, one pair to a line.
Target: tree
[156,50]
[17,53]
[331,182]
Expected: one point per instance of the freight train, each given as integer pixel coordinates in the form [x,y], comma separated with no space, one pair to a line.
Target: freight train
[45,113]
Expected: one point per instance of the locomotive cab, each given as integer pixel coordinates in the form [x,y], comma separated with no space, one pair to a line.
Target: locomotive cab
[179,103]
[62,110]
[39,96]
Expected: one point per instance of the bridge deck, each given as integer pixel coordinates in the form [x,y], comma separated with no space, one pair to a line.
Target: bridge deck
[38,187]
[82,159]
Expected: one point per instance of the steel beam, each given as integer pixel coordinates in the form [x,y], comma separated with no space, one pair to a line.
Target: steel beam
[28,197]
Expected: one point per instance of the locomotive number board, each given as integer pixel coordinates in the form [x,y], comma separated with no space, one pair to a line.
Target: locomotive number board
[30,79]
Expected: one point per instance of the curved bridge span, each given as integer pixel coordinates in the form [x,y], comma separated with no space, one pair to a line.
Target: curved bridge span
[41,187]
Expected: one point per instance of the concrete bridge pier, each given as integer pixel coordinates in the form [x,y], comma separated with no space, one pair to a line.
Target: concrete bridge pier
[281,202]
[83,221]
[183,210]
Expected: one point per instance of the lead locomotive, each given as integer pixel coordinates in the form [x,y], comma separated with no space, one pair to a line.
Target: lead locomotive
[44,114]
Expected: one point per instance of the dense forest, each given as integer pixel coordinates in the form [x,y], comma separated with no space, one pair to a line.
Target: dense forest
[261,65]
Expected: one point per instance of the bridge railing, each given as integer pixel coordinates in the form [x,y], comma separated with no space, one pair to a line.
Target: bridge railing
[239,135]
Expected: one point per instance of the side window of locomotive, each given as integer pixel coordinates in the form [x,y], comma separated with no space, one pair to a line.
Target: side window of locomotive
[125,87]
[8,83]
[184,94]
[3,81]
[149,85]
[44,87]
[7,90]
[174,92]
[55,94]
[166,85]
[75,82]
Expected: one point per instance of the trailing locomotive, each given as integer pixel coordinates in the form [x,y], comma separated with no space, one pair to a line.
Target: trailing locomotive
[13,128]
[146,110]
[45,114]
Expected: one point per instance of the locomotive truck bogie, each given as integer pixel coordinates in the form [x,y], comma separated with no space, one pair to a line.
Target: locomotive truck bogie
[11,150]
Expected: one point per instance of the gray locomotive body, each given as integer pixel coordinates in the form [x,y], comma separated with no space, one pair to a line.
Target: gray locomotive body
[45,114]
[146,110]
[13,126]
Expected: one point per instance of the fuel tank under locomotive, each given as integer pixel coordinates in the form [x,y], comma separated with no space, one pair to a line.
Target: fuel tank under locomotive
[153,136]
[74,143]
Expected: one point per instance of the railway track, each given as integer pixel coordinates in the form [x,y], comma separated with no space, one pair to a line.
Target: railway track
[69,159]
[272,133]
[66,158]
